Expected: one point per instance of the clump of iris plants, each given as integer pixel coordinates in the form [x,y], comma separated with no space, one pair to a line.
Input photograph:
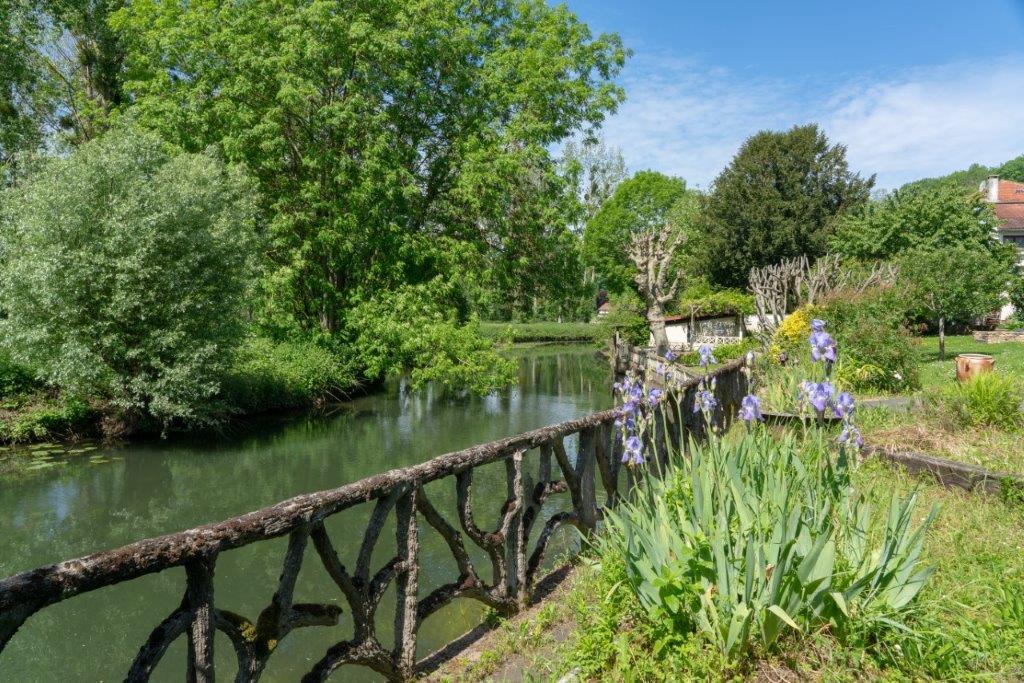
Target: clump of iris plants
[818,395]
[634,416]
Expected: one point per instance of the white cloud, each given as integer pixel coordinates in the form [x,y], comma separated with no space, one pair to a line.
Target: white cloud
[688,120]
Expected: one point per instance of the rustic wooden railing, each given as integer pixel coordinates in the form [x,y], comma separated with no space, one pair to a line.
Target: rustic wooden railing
[514,565]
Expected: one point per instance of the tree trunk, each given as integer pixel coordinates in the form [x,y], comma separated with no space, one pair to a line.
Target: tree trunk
[942,338]
[656,322]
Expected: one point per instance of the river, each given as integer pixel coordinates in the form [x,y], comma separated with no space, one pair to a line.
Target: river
[108,497]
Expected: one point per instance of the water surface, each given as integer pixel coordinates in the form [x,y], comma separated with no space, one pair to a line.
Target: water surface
[93,503]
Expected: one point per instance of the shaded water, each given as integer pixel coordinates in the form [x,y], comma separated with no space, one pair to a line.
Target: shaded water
[93,503]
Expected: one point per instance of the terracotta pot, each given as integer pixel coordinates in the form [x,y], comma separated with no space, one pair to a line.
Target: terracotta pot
[970,364]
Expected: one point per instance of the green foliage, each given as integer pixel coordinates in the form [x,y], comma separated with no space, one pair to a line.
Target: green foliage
[701,299]
[643,202]
[876,351]
[44,418]
[15,379]
[266,375]
[1012,170]
[990,399]
[936,218]
[778,198]
[723,352]
[957,282]
[414,330]
[1015,290]
[751,540]
[521,333]
[627,317]
[20,128]
[122,273]
[381,133]
[965,182]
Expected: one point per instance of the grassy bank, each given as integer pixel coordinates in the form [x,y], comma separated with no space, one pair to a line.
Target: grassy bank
[1009,358]
[265,376]
[523,333]
[967,622]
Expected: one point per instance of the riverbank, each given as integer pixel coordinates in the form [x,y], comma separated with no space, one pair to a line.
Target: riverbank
[265,377]
[523,333]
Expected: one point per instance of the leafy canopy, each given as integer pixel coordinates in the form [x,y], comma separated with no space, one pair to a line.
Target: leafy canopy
[641,203]
[122,273]
[956,282]
[377,130]
[778,198]
[932,218]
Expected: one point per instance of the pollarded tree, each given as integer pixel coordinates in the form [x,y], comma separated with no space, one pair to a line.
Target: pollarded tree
[957,282]
[653,252]
[640,204]
[777,199]
[930,217]
[122,273]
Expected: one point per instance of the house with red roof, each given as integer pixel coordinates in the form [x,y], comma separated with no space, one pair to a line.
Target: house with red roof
[1007,199]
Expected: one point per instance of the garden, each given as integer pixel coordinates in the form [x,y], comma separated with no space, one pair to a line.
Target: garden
[779,550]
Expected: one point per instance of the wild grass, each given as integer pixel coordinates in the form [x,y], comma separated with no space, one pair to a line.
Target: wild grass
[522,333]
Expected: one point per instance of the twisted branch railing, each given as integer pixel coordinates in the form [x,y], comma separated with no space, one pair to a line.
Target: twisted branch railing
[514,565]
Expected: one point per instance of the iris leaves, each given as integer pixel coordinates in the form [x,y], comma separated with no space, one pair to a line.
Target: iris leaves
[749,540]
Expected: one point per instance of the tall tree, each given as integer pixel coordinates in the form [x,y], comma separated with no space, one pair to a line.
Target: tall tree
[379,131]
[640,204]
[778,198]
[596,169]
[930,216]
[20,126]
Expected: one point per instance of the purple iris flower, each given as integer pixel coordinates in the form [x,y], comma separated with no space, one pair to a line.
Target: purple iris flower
[818,325]
[670,356]
[845,405]
[706,357]
[818,395]
[823,346]
[660,368]
[750,408]
[705,401]
[851,434]
[653,396]
[633,451]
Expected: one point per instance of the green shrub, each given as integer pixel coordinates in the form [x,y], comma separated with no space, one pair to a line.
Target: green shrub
[701,299]
[986,400]
[519,333]
[876,350]
[413,330]
[723,352]
[268,375]
[747,540]
[1016,294]
[122,273]
[44,419]
[628,317]
[15,379]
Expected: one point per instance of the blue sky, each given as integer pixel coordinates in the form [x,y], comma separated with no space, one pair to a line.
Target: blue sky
[913,88]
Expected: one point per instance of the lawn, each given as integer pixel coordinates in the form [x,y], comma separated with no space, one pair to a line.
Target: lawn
[927,429]
[1009,358]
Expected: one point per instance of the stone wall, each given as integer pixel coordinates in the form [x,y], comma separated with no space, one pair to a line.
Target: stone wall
[999,336]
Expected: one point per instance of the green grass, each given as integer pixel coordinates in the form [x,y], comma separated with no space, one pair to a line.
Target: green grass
[967,623]
[521,333]
[1009,357]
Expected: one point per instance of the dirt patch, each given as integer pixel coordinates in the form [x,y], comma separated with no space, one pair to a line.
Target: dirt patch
[512,651]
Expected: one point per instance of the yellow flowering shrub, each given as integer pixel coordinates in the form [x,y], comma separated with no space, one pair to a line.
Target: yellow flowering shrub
[793,332]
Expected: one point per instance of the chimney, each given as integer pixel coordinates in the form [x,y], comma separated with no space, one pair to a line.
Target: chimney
[992,186]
